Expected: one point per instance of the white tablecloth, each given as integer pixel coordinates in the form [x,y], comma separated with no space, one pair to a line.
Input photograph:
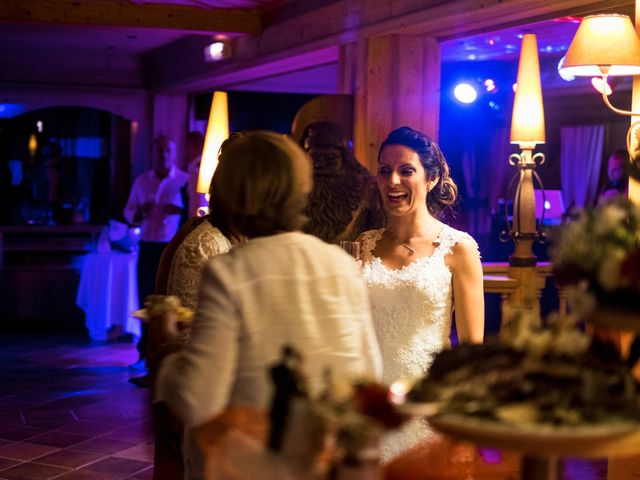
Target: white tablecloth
[108,293]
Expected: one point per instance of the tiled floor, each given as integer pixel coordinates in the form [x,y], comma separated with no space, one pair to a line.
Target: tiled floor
[68,412]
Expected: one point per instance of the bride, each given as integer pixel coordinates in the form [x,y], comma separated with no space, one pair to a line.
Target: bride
[418,270]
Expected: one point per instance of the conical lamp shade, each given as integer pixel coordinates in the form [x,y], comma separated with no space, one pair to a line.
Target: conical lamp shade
[607,41]
[217,132]
[527,121]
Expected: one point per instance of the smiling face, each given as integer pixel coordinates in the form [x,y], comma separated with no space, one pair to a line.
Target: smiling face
[402,180]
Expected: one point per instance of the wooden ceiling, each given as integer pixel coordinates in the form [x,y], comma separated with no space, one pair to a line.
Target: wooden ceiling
[109,41]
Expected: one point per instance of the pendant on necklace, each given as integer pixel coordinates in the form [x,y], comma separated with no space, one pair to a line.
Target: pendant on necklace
[411,249]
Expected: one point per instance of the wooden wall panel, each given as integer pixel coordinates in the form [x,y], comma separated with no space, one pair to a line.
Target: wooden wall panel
[398,83]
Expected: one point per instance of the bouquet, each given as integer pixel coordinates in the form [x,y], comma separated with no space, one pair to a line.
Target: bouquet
[597,257]
[359,412]
[342,424]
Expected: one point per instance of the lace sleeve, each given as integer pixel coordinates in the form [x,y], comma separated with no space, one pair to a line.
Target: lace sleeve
[369,239]
[450,236]
[204,243]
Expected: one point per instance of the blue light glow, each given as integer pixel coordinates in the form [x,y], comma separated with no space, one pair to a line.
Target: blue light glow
[489,85]
[9,110]
[465,93]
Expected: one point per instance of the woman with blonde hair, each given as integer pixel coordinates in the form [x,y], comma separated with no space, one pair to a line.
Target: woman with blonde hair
[281,287]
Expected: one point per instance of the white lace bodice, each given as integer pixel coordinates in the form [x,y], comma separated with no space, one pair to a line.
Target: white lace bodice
[202,244]
[411,309]
[411,306]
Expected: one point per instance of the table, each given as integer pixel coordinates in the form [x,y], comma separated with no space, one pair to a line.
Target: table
[542,451]
[108,293]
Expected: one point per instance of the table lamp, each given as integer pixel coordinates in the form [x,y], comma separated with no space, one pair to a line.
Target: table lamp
[527,130]
[607,45]
[217,132]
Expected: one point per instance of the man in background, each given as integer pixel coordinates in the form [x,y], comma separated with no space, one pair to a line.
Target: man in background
[618,182]
[155,204]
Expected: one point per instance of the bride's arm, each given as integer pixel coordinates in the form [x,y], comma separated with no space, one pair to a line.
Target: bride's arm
[468,292]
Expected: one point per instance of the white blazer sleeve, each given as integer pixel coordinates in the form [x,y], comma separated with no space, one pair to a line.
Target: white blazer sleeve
[197,381]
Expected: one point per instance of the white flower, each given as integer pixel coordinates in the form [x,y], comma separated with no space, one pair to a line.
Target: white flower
[580,300]
[609,218]
[609,271]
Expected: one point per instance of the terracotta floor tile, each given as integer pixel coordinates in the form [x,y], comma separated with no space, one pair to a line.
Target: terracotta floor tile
[87,475]
[136,434]
[32,471]
[143,475]
[25,450]
[70,458]
[58,439]
[103,445]
[44,414]
[11,418]
[38,396]
[48,425]
[142,452]
[88,427]
[17,432]
[7,462]
[119,466]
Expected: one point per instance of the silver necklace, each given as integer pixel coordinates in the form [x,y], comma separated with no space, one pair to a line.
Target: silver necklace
[411,249]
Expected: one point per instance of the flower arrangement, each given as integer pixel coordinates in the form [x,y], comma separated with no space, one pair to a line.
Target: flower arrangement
[156,305]
[358,411]
[597,257]
[341,424]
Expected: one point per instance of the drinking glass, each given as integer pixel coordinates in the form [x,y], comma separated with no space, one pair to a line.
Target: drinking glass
[352,248]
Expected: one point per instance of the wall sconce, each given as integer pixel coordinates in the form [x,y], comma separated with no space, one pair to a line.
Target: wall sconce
[527,130]
[607,45]
[219,49]
[32,145]
[217,132]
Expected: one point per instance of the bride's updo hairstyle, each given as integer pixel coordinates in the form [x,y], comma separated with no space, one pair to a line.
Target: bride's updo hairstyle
[260,186]
[445,192]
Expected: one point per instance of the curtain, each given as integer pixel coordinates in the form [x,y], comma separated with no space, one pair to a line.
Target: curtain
[498,166]
[581,149]
[487,173]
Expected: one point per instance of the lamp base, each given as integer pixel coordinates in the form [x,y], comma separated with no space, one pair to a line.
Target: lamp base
[522,261]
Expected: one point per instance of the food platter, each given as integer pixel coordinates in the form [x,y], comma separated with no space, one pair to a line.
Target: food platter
[598,440]
[618,319]
[418,409]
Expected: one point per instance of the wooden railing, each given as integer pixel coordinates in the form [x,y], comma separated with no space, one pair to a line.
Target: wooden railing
[497,280]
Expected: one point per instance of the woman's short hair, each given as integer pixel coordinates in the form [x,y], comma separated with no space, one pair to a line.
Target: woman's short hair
[445,192]
[260,186]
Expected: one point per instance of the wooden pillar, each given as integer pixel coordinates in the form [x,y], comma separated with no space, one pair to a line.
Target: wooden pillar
[397,82]
[347,65]
[634,185]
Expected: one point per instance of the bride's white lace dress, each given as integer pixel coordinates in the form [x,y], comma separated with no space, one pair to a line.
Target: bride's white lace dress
[411,308]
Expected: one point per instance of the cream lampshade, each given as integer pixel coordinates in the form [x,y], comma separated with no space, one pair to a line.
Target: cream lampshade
[217,132]
[604,45]
[527,121]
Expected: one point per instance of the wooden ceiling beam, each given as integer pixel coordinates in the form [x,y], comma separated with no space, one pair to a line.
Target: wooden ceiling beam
[345,21]
[114,13]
